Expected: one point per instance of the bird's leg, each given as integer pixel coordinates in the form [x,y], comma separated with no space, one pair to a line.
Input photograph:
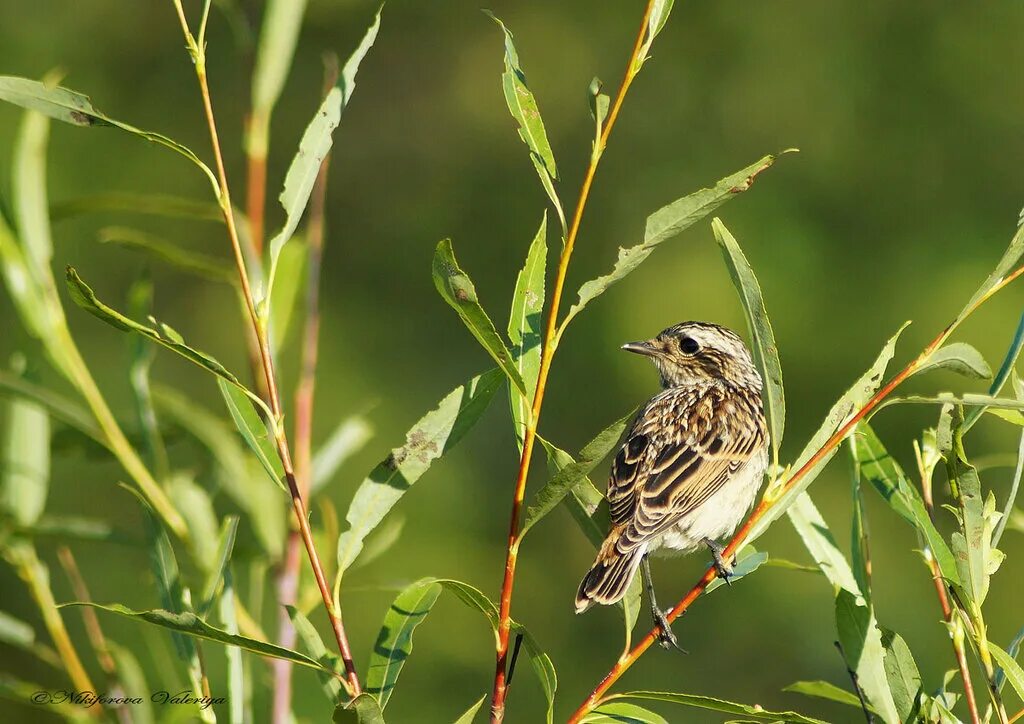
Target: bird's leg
[723,568]
[666,637]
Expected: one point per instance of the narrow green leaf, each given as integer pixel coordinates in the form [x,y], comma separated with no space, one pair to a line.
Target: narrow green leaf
[394,642]
[766,352]
[847,405]
[254,431]
[72,528]
[197,509]
[971,546]
[542,667]
[313,149]
[586,504]
[860,550]
[471,712]
[456,288]
[166,205]
[824,690]
[523,107]
[85,298]
[621,712]
[287,300]
[192,262]
[132,678]
[25,464]
[60,408]
[1012,650]
[599,103]
[862,647]
[882,471]
[31,214]
[22,691]
[1006,264]
[747,561]
[140,303]
[1005,368]
[958,357]
[237,474]
[236,674]
[436,433]
[818,539]
[659,16]
[38,308]
[524,327]
[666,223]
[381,540]
[348,438]
[555,490]
[711,704]
[215,577]
[364,709]
[20,635]
[1011,669]
[74,108]
[191,625]
[279,35]
[307,633]
[902,674]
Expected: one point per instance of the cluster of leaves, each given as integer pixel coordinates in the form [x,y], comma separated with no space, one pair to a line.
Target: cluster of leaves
[198,602]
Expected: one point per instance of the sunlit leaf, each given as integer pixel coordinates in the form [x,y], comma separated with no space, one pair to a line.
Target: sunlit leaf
[764,349]
[436,433]
[25,461]
[747,561]
[238,697]
[56,405]
[191,625]
[471,712]
[456,288]
[254,431]
[279,35]
[523,107]
[622,712]
[711,704]
[1006,264]
[524,326]
[902,673]
[364,709]
[821,544]
[1011,669]
[313,148]
[197,510]
[824,690]
[666,223]
[394,642]
[307,633]
[862,646]
[215,577]
[958,357]
[971,547]
[847,405]
[76,109]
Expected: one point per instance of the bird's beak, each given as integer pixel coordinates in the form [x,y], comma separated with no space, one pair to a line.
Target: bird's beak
[645,348]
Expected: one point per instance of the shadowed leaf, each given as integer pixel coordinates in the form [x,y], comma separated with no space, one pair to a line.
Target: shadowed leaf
[711,704]
[254,431]
[862,646]
[958,357]
[208,267]
[824,690]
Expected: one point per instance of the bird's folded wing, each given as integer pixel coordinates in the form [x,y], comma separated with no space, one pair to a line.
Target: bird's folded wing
[683,476]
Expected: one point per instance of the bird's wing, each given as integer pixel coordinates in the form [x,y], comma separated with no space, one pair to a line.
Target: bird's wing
[709,438]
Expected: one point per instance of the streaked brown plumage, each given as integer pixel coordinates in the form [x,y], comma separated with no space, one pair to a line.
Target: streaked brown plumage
[692,462]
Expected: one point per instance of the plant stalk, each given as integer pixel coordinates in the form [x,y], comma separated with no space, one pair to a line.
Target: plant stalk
[288,577]
[550,343]
[765,505]
[283,451]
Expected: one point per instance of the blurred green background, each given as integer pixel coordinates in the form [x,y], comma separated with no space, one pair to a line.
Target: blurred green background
[907,188]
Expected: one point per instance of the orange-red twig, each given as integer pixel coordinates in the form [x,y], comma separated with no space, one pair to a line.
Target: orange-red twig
[764,506]
[547,354]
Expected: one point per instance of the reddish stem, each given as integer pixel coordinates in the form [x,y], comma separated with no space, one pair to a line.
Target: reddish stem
[550,336]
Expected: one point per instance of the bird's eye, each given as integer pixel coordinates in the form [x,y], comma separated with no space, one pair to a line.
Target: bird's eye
[688,345]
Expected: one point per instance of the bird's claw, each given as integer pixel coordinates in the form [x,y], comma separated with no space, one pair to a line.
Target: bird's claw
[722,567]
[666,636]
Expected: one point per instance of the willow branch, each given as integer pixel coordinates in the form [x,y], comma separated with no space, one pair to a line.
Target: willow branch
[549,345]
[281,440]
[765,505]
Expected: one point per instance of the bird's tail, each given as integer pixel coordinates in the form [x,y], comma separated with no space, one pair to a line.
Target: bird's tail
[610,576]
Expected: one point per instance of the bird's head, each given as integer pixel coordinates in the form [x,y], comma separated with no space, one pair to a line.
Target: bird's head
[691,352]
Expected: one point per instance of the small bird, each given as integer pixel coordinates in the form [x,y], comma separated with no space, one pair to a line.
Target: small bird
[691,464]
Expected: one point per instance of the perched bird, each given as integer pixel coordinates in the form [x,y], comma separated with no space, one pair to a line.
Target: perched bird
[691,464]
